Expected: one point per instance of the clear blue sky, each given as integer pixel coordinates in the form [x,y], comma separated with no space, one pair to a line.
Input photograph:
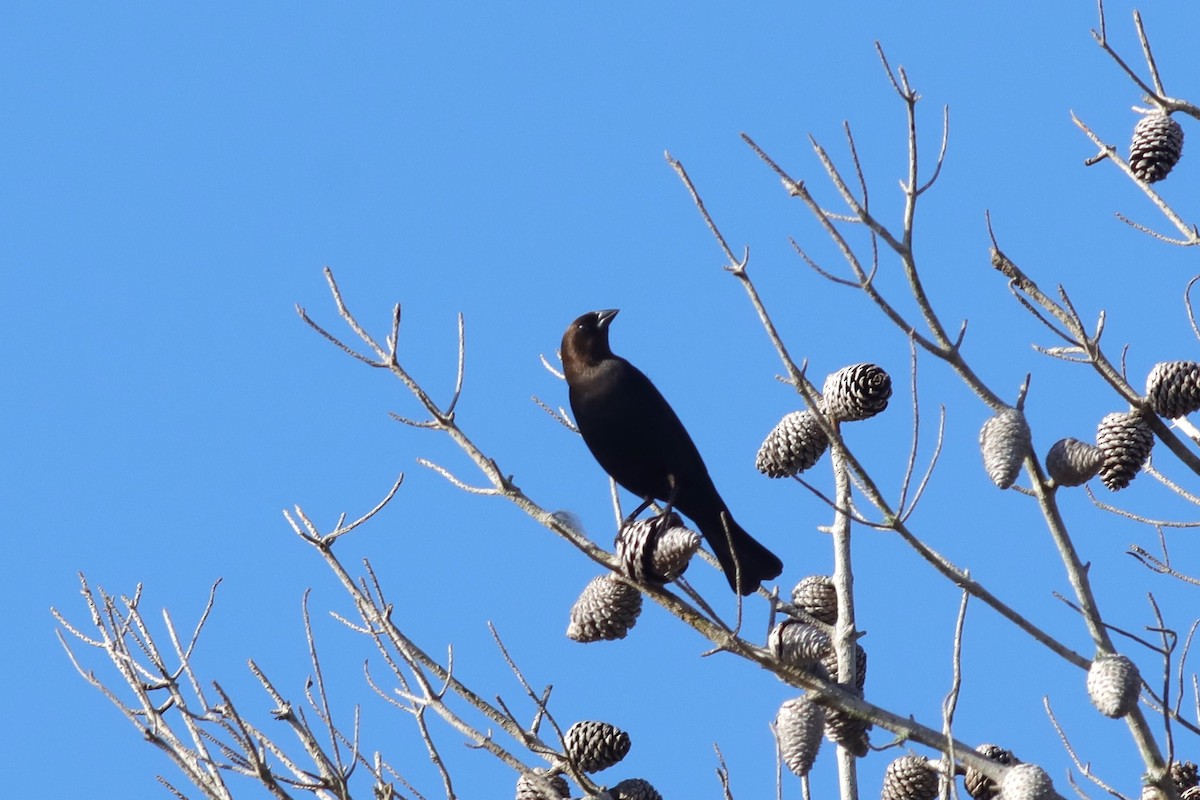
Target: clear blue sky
[175,178]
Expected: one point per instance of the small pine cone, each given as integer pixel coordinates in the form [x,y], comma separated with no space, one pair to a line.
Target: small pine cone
[1173,388]
[1125,441]
[980,786]
[1005,441]
[634,789]
[540,785]
[656,550]
[856,392]
[792,446]
[1071,462]
[605,611]
[1114,684]
[846,730]
[910,778]
[593,746]
[816,595]
[798,726]
[1156,147]
[1184,775]
[1026,782]
[830,662]
[799,643]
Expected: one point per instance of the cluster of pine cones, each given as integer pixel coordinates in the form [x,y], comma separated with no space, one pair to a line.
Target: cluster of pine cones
[797,442]
[912,777]
[805,641]
[1123,439]
[589,747]
[915,778]
[652,550]
[595,746]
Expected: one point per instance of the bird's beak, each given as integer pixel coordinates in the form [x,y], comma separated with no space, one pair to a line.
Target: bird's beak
[605,317]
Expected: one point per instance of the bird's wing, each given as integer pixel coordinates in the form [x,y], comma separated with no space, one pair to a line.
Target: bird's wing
[633,432]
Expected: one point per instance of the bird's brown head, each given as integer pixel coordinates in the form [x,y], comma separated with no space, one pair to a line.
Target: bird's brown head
[585,342]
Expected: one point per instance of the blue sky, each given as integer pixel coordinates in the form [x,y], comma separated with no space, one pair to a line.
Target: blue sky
[176,178]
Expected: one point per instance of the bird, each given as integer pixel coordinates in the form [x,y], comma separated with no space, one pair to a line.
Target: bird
[637,438]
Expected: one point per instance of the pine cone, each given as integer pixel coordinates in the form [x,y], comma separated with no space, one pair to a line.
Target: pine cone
[1156,147]
[1026,782]
[1005,441]
[846,730]
[541,785]
[817,595]
[605,611]
[1184,775]
[830,662]
[634,789]
[1114,684]
[799,643]
[792,446]
[657,549]
[593,746]
[1071,462]
[1125,441]
[1173,388]
[980,786]
[910,778]
[856,392]
[798,726]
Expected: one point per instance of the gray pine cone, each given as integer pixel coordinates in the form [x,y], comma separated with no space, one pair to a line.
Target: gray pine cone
[605,611]
[634,789]
[1125,441]
[593,746]
[831,664]
[859,391]
[1071,462]
[817,595]
[1184,775]
[1173,388]
[1114,684]
[910,778]
[800,643]
[656,550]
[1156,147]
[541,785]
[1005,441]
[980,786]
[846,730]
[798,726]
[795,444]
[1026,782]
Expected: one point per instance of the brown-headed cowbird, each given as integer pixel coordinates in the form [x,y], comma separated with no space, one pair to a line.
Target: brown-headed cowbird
[640,442]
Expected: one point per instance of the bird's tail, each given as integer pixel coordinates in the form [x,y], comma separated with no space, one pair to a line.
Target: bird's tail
[746,562]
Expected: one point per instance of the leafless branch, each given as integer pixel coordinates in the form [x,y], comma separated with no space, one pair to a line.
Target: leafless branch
[1085,769]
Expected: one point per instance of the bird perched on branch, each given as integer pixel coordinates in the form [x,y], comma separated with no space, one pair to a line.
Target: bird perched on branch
[640,442]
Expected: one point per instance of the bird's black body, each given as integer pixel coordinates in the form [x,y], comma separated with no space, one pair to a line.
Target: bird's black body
[639,441]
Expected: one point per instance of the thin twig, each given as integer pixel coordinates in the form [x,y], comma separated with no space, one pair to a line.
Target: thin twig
[1086,769]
